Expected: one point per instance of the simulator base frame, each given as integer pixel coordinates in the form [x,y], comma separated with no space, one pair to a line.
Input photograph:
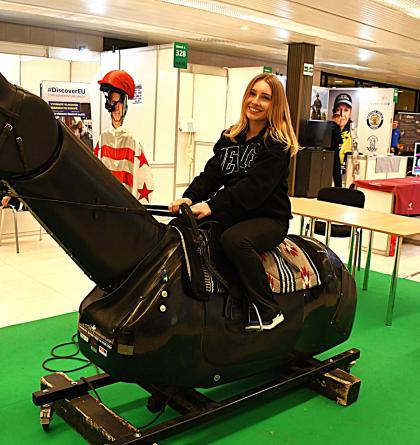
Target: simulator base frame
[99,425]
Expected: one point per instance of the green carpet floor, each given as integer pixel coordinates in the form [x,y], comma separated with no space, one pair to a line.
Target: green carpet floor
[387,412]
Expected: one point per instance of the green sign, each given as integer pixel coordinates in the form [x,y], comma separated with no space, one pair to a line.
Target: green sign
[395,95]
[180,55]
[308,69]
[267,69]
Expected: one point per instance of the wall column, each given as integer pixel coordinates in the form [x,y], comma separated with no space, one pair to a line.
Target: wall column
[298,90]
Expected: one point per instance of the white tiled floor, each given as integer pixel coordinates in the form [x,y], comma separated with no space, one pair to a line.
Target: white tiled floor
[42,281]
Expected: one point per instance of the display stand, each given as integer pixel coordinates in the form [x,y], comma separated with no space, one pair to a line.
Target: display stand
[99,425]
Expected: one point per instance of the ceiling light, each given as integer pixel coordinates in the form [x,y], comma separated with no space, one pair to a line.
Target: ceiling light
[346,65]
[409,7]
[414,12]
[97,6]
[244,28]
[364,54]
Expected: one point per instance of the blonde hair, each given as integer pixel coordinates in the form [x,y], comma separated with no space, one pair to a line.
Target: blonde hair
[279,125]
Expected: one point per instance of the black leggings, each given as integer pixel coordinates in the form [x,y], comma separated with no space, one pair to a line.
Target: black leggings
[242,244]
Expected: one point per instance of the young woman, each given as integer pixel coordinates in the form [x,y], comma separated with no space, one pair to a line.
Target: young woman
[244,187]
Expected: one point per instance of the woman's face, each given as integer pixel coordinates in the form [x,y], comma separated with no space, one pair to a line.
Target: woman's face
[345,113]
[258,102]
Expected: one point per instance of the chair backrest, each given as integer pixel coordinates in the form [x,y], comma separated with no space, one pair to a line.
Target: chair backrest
[341,195]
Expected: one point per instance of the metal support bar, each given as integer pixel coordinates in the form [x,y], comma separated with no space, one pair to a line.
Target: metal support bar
[359,250]
[393,288]
[356,250]
[312,227]
[350,260]
[368,258]
[302,224]
[71,389]
[327,233]
[16,228]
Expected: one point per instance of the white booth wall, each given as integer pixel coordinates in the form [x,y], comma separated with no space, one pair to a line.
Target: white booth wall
[206,98]
[182,112]
[29,72]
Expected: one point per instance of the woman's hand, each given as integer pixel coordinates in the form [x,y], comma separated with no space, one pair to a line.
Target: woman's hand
[201,210]
[5,201]
[174,205]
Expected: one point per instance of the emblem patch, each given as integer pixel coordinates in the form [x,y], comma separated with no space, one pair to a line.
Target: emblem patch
[375,119]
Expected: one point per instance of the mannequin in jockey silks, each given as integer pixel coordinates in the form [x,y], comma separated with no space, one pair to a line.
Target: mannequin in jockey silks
[117,148]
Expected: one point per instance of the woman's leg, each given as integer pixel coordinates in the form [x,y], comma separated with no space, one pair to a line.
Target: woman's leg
[242,243]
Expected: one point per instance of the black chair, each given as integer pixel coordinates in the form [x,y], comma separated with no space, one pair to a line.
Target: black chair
[339,195]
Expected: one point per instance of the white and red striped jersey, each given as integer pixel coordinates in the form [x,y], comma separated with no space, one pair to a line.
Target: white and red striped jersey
[125,158]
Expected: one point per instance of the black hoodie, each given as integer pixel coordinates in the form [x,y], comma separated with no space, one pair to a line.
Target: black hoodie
[244,179]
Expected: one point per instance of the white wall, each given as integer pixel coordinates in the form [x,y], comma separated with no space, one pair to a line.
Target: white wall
[238,79]
[10,67]
[141,65]
[89,72]
[29,72]
[34,70]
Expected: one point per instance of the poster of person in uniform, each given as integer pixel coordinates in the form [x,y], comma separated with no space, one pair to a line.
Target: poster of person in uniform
[70,102]
[345,103]
[319,103]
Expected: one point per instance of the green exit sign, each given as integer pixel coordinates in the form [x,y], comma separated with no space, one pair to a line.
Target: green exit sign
[180,55]
[267,69]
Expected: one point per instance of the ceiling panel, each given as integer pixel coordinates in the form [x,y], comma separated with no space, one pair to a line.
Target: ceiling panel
[381,42]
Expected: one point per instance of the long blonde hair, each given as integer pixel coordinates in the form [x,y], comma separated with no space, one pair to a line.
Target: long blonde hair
[279,125]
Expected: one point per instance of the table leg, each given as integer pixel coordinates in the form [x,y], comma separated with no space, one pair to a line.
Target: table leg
[328,233]
[349,262]
[368,258]
[393,289]
[302,224]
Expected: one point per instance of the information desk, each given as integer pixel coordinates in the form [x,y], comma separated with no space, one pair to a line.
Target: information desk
[366,219]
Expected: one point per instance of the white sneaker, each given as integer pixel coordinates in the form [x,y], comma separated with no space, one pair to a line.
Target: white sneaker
[265,325]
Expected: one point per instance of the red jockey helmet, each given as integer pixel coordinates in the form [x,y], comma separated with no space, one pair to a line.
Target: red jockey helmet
[119,81]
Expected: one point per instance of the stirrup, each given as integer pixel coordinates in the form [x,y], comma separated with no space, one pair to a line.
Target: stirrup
[251,327]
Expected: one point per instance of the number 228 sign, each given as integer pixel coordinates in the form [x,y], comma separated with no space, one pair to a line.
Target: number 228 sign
[180,55]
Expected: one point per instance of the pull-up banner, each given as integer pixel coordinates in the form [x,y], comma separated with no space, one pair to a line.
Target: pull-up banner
[70,102]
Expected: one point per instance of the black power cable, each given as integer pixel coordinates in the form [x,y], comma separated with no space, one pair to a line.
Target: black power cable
[56,356]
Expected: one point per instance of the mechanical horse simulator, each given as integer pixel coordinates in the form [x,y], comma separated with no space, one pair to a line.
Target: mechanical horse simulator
[160,310]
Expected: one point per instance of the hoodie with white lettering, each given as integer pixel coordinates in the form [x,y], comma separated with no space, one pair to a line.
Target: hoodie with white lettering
[244,179]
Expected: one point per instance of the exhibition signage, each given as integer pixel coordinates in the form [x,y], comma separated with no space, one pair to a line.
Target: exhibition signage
[371,110]
[409,125]
[180,55]
[70,102]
